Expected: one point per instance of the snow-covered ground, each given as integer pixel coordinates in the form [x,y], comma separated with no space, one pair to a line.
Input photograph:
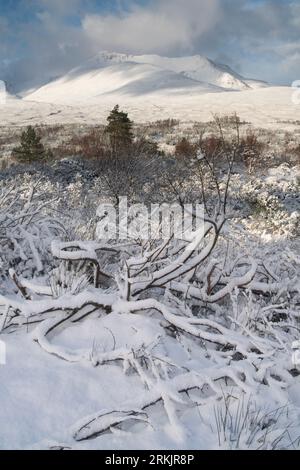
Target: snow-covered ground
[271,107]
[44,399]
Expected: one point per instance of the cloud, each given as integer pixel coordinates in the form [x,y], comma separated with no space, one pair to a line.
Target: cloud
[171,26]
[252,36]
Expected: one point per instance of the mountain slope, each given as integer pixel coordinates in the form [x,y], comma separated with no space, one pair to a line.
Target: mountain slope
[121,75]
[128,78]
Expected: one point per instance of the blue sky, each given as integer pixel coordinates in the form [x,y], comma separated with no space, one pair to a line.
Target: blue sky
[44,38]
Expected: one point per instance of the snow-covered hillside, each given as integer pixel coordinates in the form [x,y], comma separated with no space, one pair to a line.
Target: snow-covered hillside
[134,76]
[129,79]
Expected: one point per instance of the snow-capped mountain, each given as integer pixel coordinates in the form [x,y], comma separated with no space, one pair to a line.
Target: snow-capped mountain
[196,67]
[112,74]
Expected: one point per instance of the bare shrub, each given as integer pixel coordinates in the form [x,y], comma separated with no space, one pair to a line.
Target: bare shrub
[228,120]
[251,150]
[211,146]
[165,125]
[295,154]
[91,145]
[185,149]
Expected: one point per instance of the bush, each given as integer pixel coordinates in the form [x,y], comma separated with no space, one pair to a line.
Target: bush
[92,145]
[146,148]
[251,149]
[185,149]
[211,146]
[165,125]
[296,154]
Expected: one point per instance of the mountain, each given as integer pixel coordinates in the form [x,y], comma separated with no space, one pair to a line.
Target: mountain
[122,75]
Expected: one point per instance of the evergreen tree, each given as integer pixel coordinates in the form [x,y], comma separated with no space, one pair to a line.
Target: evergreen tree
[31,148]
[119,129]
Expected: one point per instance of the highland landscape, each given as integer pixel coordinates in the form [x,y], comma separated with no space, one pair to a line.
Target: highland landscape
[122,324]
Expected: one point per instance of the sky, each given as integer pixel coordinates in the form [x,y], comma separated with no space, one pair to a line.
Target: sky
[42,39]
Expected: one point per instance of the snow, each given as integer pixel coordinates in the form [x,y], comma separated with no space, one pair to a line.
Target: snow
[43,397]
[49,394]
[201,69]
[124,79]
[270,107]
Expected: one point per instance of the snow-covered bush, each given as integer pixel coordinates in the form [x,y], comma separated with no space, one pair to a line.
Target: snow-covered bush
[66,278]
[273,200]
[27,227]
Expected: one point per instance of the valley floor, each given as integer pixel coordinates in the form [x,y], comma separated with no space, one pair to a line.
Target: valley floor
[272,108]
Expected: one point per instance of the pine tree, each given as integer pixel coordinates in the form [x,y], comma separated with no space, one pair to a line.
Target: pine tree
[31,148]
[119,129]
